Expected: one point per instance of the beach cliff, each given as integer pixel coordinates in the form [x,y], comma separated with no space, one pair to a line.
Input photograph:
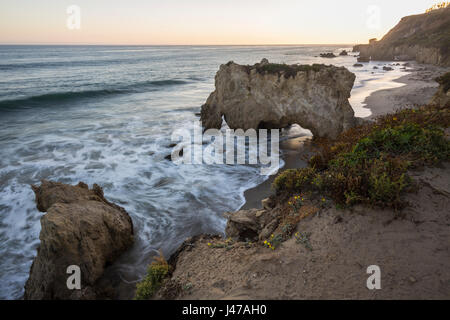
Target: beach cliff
[424,38]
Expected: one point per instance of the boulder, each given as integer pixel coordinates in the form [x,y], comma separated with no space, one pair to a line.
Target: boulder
[253,224]
[387,68]
[268,203]
[80,228]
[358,65]
[275,96]
[343,53]
[442,96]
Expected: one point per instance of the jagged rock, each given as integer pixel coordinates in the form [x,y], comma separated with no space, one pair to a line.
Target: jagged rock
[246,225]
[422,37]
[268,203]
[343,53]
[272,96]
[80,228]
[328,55]
[357,48]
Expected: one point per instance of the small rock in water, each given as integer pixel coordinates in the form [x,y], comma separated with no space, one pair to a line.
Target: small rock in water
[328,55]
[358,65]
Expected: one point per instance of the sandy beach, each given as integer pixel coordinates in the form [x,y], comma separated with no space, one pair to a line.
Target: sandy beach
[418,89]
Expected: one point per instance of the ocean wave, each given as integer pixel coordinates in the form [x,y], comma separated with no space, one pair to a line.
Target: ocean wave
[18,66]
[69,96]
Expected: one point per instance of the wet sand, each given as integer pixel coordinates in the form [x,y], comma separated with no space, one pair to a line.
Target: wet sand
[295,154]
[419,87]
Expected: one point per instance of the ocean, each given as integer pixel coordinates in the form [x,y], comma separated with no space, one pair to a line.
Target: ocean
[105,115]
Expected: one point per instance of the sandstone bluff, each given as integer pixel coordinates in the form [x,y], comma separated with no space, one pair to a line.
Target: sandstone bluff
[423,37]
[272,96]
[80,228]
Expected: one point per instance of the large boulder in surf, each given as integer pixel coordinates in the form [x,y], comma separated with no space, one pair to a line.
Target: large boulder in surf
[272,96]
[80,228]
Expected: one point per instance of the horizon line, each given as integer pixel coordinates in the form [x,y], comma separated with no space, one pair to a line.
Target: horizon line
[167,45]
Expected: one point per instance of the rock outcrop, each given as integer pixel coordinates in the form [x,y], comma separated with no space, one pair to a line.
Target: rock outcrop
[442,96]
[80,228]
[424,38]
[272,96]
[251,225]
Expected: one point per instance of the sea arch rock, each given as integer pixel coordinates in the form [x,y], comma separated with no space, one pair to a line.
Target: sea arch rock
[274,96]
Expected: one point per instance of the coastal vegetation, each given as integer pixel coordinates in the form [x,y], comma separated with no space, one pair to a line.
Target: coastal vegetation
[156,273]
[369,164]
[287,70]
[437,6]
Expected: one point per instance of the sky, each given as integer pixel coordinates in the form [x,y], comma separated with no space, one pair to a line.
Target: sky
[201,22]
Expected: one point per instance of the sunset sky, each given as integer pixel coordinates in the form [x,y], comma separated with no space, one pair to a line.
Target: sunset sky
[202,21]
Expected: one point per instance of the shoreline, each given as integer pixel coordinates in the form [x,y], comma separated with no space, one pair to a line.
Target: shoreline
[418,89]
[294,151]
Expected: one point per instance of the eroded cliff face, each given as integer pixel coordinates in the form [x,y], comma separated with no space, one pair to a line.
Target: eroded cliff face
[80,228]
[272,96]
[424,38]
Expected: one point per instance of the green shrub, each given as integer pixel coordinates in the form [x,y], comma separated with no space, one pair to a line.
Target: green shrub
[157,271]
[294,180]
[287,70]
